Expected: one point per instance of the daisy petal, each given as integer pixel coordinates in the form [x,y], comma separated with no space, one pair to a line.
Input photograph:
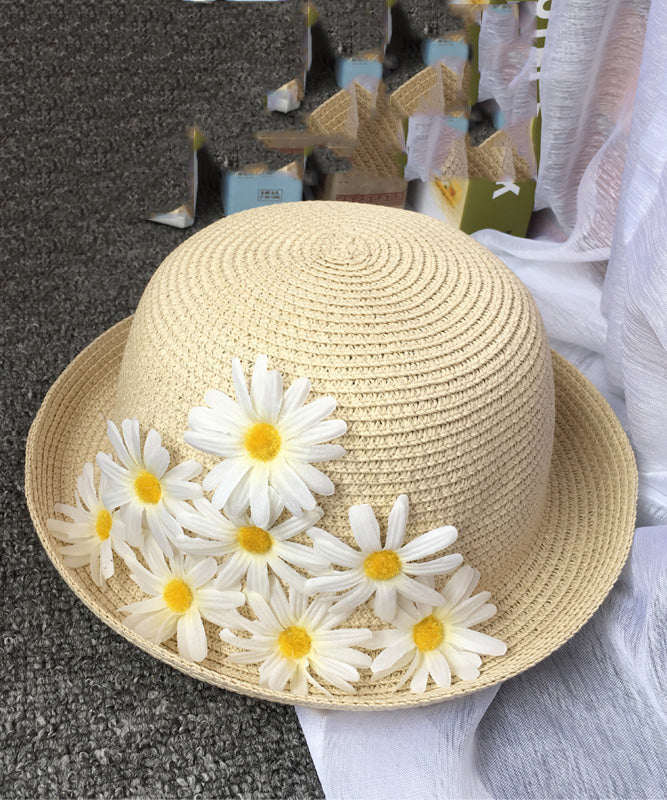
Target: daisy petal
[389,657]
[398,520]
[333,549]
[476,641]
[226,477]
[156,457]
[191,637]
[149,605]
[295,397]
[324,431]
[302,556]
[229,415]
[202,572]
[86,487]
[314,479]
[319,453]
[130,428]
[418,592]
[475,617]
[258,384]
[280,674]
[299,682]
[428,543]
[288,574]
[242,396]
[293,491]
[439,668]
[365,528]
[113,434]
[335,582]
[258,578]
[185,471]
[420,679]
[231,571]
[273,396]
[117,497]
[355,597]
[260,506]
[294,525]
[106,559]
[334,673]
[460,586]
[308,416]
[385,602]
[157,627]
[211,442]
[464,665]
[437,566]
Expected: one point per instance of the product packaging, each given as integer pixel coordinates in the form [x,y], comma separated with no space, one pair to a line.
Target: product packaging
[490,187]
[364,117]
[183,216]
[257,186]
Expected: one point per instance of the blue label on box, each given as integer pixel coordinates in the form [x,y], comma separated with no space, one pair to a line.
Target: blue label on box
[246,190]
[434,50]
[347,69]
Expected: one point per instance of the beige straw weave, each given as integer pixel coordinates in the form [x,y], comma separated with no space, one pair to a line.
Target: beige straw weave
[439,362]
[367,119]
[435,89]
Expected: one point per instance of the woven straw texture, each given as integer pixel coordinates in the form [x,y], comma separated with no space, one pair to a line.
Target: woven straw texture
[435,89]
[440,365]
[367,119]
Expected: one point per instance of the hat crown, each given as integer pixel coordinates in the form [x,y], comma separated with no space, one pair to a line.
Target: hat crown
[433,349]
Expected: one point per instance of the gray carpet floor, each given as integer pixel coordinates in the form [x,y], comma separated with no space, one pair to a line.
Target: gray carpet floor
[94,101]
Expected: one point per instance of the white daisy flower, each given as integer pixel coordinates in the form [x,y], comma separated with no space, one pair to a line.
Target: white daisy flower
[146,493]
[266,439]
[183,593]
[291,640]
[385,571]
[437,641]
[253,549]
[94,530]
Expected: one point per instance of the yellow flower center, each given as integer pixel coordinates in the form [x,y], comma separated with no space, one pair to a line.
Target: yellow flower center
[294,642]
[103,524]
[177,595]
[428,634]
[262,441]
[147,487]
[254,539]
[382,565]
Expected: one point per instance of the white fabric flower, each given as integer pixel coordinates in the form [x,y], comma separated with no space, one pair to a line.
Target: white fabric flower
[437,641]
[94,530]
[266,439]
[291,640]
[147,494]
[254,549]
[382,570]
[183,593]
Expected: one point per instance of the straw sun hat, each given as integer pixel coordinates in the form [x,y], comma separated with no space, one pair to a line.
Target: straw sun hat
[465,466]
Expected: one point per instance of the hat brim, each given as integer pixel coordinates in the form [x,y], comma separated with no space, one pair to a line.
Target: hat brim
[583,539]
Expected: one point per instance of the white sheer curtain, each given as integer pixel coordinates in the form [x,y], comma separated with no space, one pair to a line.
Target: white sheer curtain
[591,720]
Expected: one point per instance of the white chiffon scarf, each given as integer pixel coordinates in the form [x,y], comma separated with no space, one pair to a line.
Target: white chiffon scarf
[591,720]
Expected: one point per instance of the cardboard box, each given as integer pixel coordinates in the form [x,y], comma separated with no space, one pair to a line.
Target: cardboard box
[250,189]
[497,191]
[357,187]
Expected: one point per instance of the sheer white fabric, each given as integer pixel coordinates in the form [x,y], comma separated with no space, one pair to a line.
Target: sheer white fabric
[591,720]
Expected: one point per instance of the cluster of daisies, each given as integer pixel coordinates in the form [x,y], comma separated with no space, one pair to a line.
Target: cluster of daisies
[198,557]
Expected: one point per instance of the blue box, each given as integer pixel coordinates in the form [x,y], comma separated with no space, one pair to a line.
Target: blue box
[243,190]
[347,69]
[434,50]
